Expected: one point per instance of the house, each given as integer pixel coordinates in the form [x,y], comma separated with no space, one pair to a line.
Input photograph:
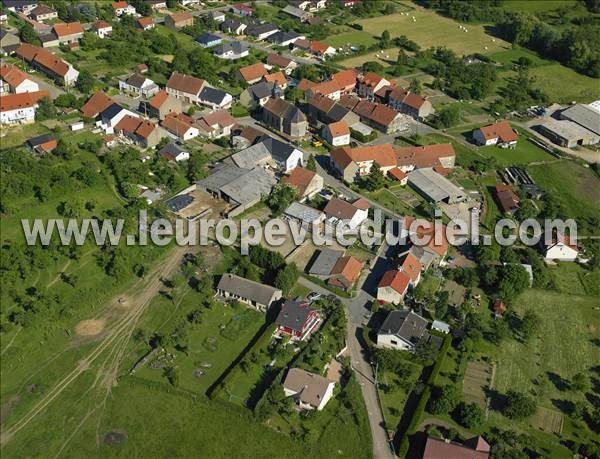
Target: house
[245,136]
[157,4]
[216,124]
[310,391]
[185,87]
[325,110]
[285,117]
[14,80]
[411,267]
[440,326]
[321,50]
[269,151]
[585,116]
[255,294]
[499,307]
[401,330]
[568,133]
[308,217]
[252,73]
[346,80]
[180,126]
[352,213]
[179,20]
[475,448]
[44,143]
[345,272]
[9,42]
[215,98]
[20,108]
[49,40]
[174,152]
[242,10]
[217,16]
[435,187]
[393,286]
[43,13]
[399,175]
[501,134]
[207,40]
[101,28]
[409,103]
[63,33]
[139,85]
[370,83]
[309,5]
[353,163]
[259,94]
[96,105]
[278,61]
[440,157]
[324,263]
[121,8]
[329,88]
[232,26]
[307,182]
[277,78]
[297,320]
[297,13]
[506,198]
[142,132]
[348,3]
[161,105]
[261,31]
[231,50]
[282,38]
[240,187]
[145,23]
[337,133]
[57,69]
[436,242]
[189,2]
[381,117]
[561,247]
[20,6]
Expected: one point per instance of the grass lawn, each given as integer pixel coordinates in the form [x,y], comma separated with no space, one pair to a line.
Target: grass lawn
[509,57]
[351,38]
[15,136]
[390,201]
[536,6]
[525,152]
[564,85]
[377,56]
[394,398]
[431,29]
[575,186]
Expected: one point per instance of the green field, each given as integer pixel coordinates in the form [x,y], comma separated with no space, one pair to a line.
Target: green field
[564,85]
[525,152]
[536,6]
[574,185]
[431,29]
[351,38]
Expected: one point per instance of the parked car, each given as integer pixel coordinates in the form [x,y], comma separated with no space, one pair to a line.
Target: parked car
[314,296]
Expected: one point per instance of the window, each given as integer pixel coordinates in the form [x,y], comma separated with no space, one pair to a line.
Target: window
[394,342]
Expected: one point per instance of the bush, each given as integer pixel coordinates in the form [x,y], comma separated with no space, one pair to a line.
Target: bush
[361,137]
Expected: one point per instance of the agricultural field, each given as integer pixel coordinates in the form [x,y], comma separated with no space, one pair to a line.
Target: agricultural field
[564,85]
[377,56]
[431,29]
[351,38]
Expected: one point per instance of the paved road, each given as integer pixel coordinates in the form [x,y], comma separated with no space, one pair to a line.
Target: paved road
[55,91]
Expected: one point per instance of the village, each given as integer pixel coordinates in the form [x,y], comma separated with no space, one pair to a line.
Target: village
[239,112]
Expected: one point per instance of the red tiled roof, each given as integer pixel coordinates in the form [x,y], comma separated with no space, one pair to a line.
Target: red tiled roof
[220,118]
[384,115]
[439,248]
[371,79]
[101,24]
[500,306]
[395,279]
[426,156]
[22,100]
[361,203]
[70,28]
[300,178]
[181,16]
[318,47]
[398,174]
[338,129]
[500,130]
[133,125]
[346,78]
[412,267]
[242,7]
[326,87]
[348,267]
[185,83]
[177,122]
[145,22]
[381,154]
[96,105]
[277,77]
[12,75]
[278,60]
[253,72]
[118,5]
[439,449]
[340,209]
[305,84]
[159,98]
[44,58]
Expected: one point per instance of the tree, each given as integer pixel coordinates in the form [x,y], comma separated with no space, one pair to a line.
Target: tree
[499,331]
[514,279]
[448,116]
[287,278]
[45,110]
[519,406]
[85,81]
[469,415]
[579,383]
[441,304]
[444,400]
[311,164]
[70,209]
[281,197]
[375,179]
[172,374]
[530,324]
[27,34]
[415,86]
[424,351]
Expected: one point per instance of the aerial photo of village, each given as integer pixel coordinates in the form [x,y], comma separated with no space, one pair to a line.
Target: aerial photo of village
[300,228]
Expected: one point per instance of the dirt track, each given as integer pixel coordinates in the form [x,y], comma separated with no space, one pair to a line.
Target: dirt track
[112,344]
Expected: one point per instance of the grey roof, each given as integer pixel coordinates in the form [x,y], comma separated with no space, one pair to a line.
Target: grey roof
[111,111]
[337,112]
[281,37]
[439,325]
[303,212]
[310,387]
[259,29]
[261,89]
[239,184]
[40,139]
[267,147]
[293,314]
[207,38]
[325,262]
[136,80]
[47,38]
[584,115]
[212,95]
[176,203]
[245,288]
[296,12]
[280,151]
[171,148]
[425,257]
[14,3]
[230,24]
[236,46]
[404,324]
[435,186]
[566,129]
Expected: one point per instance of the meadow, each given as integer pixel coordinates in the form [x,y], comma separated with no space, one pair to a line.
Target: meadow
[525,152]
